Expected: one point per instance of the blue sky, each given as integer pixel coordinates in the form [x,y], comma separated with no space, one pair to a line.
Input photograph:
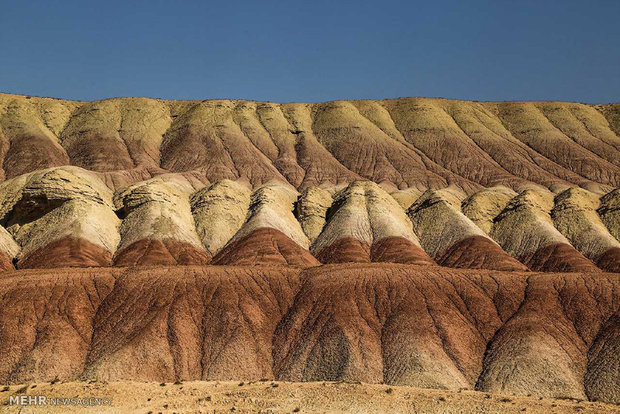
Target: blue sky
[312,50]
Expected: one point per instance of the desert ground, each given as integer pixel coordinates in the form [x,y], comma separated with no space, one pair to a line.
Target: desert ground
[288,397]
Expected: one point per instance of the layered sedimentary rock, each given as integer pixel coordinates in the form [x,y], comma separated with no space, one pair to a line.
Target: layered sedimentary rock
[206,138]
[575,216]
[451,238]
[410,143]
[219,211]
[158,227]
[204,226]
[366,224]
[482,207]
[526,231]
[8,250]
[609,212]
[271,234]
[66,216]
[311,211]
[550,335]
[60,217]
[29,133]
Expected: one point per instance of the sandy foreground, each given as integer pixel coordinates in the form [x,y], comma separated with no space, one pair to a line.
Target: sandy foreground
[282,397]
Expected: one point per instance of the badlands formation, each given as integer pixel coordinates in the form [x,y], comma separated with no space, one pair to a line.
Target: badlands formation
[410,242]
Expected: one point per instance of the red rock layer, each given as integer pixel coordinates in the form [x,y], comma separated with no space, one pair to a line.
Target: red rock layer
[6,263]
[604,363]
[67,252]
[30,153]
[265,246]
[399,250]
[151,252]
[477,252]
[98,153]
[558,257]
[610,260]
[345,250]
[507,332]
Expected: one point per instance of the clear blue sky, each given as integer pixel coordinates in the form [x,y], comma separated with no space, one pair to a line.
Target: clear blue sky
[312,50]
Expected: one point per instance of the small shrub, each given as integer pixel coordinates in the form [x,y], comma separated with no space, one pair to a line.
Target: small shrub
[163,384]
[389,391]
[296,409]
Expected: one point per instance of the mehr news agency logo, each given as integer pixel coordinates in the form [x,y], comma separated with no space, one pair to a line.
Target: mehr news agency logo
[42,400]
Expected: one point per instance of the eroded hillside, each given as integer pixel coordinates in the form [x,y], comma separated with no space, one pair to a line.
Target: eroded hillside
[549,335]
[407,143]
[416,242]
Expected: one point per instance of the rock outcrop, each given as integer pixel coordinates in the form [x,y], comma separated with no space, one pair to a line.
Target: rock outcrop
[451,238]
[219,212]
[366,224]
[526,231]
[158,227]
[60,217]
[575,216]
[271,234]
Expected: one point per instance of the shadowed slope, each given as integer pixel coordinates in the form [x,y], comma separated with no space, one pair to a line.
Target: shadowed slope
[543,348]
[158,227]
[362,216]
[609,212]
[482,207]
[270,234]
[604,363]
[311,211]
[448,236]
[8,250]
[574,214]
[526,231]
[219,212]
[65,210]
